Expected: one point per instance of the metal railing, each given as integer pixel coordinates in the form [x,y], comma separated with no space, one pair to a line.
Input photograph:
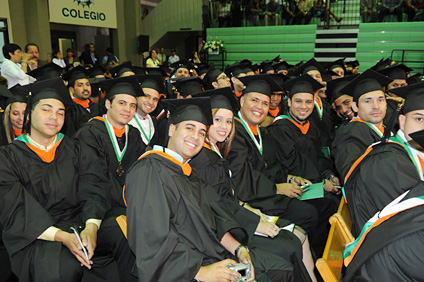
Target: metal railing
[403,57]
[324,13]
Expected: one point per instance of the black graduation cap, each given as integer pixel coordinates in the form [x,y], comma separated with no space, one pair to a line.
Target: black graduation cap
[183,64]
[267,66]
[97,70]
[302,84]
[413,95]
[414,79]
[312,64]
[95,86]
[139,70]
[380,65]
[121,69]
[352,64]
[276,59]
[255,67]
[222,98]
[189,85]
[8,96]
[197,109]
[366,82]
[50,70]
[263,84]
[122,85]
[76,73]
[235,69]
[164,72]
[418,137]
[53,88]
[396,71]
[153,81]
[202,69]
[211,75]
[334,86]
[279,78]
[327,76]
[282,66]
[337,64]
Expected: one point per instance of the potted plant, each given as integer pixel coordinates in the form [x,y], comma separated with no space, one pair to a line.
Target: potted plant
[213,47]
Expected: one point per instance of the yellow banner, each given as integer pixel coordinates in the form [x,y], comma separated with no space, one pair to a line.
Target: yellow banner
[98,13]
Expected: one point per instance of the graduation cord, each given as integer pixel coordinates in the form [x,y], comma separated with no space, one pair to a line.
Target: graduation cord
[320,109]
[252,136]
[148,138]
[118,152]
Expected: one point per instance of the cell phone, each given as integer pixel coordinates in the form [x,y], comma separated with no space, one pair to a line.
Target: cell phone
[80,242]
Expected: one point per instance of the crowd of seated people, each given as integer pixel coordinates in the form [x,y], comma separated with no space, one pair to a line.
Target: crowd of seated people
[186,174]
[228,13]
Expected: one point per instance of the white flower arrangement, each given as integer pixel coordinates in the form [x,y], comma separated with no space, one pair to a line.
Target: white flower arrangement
[213,45]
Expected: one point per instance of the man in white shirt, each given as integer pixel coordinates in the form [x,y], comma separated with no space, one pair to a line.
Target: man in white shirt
[12,69]
[174,57]
[153,87]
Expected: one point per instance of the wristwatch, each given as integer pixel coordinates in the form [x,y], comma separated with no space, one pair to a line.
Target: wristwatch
[239,247]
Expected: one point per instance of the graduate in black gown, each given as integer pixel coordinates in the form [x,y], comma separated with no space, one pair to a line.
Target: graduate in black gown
[388,169]
[117,146]
[80,87]
[298,141]
[259,184]
[191,235]
[213,169]
[398,73]
[391,243]
[14,104]
[321,116]
[341,102]
[369,102]
[153,89]
[49,183]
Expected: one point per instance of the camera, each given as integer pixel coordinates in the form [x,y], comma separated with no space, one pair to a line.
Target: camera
[244,269]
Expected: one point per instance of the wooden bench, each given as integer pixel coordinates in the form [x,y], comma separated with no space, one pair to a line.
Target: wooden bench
[331,264]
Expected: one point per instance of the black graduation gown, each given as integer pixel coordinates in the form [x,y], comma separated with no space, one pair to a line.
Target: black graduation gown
[392,251]
[325,125]
[391,108]
[185,222]
[300,152]
[214,171]
[161,129]
[257,187]
[350,143]
[76,116]
[35,195]
[96,136]
[384,174]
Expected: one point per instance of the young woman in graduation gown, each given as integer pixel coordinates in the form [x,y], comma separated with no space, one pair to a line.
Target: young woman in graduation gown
[213,168]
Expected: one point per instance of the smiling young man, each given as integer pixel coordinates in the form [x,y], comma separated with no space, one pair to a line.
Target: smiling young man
[80,88]
[321,115]
[399,163]
[50,183]
[299,144]
[268,188]
[192,233]
[117,146]
[153,87]
[369,102]
[341,103]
